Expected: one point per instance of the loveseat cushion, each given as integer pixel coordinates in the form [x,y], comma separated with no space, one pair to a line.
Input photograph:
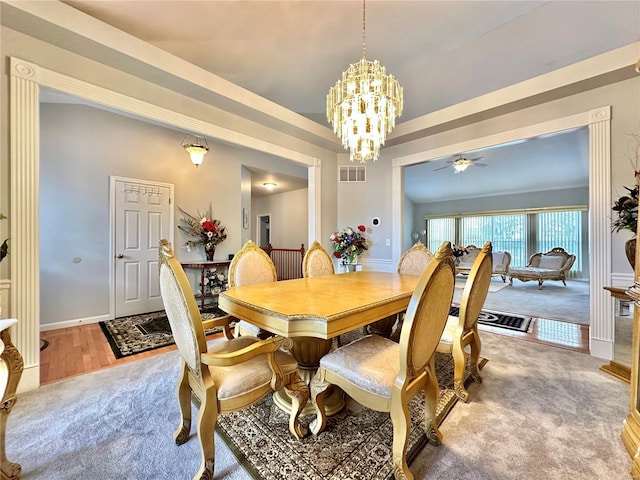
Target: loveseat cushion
[499,262]
[552,262]
[534,272]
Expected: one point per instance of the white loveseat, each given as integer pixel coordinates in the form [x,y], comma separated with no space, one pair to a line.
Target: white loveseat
[552,265]
[501,262]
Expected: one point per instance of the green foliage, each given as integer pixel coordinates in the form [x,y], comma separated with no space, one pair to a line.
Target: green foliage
[627,209]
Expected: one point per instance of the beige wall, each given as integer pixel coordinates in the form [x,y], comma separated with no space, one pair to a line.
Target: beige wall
[624,98]
[289,217]
[81,147]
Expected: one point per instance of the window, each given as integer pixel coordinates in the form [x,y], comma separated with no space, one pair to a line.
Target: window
[561,229]
[521,233]
[506,232]
[438,231]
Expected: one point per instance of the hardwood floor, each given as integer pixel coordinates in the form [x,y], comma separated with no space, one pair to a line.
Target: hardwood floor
[83,349]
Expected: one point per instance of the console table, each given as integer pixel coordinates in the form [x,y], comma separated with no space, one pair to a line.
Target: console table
[203,266]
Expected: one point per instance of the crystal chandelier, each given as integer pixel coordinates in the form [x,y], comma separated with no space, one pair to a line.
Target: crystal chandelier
[363,106]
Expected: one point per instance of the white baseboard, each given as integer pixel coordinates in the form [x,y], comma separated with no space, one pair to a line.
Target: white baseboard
[74,323]
[371,265]
[30,379]
[378,265]
[601,348]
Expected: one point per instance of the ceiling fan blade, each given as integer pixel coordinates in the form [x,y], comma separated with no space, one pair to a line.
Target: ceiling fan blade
[442,168]
[475,159]
[478,165]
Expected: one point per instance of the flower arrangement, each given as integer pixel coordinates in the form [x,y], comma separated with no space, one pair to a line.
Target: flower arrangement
[206,230]
[215,281]
[627,209]
[626,206]
[459,251]
[348,243]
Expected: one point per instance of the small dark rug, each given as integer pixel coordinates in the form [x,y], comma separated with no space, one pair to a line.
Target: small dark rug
[501,320]
[355,445]
[141,333]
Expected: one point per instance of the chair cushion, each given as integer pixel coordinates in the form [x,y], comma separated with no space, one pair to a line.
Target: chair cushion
[534,272]
[253,268]
[377,374]
[414,262]
[466,260]
[246,376]
[449,330]
[552,262]
[500,262]
[318,264]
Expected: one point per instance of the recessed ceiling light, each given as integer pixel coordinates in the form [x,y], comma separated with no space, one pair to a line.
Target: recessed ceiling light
[269,185]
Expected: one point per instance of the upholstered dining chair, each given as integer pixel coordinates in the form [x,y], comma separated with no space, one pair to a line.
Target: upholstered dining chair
[383,375]
[251,265]
[415,259]
[228,374]
[412,262]
[317,262]
[462,330]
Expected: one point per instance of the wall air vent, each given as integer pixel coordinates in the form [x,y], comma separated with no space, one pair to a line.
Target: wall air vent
[353,174]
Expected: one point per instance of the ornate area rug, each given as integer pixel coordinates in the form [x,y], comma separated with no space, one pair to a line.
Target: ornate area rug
[509,321]
[355,445]
[140,333]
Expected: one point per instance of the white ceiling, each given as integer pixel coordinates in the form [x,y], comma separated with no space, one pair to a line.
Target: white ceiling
[560,161]
[442,52]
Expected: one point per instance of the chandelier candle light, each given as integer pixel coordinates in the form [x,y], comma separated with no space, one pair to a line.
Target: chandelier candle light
[363,106]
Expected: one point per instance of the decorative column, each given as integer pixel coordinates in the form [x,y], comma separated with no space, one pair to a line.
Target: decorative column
[602,326]
[24,160]
[314,182]
[397,210]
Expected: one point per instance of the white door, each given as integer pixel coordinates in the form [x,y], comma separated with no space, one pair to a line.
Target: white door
[143,214]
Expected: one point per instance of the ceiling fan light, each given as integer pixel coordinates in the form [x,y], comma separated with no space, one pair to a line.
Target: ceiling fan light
[460,167]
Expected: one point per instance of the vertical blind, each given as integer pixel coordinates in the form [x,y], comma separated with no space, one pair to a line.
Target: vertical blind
[520,234]
[561,229]
[440,230]
[506,232]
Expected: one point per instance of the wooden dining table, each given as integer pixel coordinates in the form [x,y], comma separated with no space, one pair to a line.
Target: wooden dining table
[312,311]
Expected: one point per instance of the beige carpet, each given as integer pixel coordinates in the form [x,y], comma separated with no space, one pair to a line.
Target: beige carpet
[542,413]
[554,301]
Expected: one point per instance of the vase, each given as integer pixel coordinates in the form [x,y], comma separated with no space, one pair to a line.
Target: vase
[350,267]
[630,250]
[209,250]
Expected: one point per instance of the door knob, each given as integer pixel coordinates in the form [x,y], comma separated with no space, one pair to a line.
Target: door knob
[120,255]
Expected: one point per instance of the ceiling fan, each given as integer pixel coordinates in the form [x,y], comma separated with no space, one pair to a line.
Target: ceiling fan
[460,164]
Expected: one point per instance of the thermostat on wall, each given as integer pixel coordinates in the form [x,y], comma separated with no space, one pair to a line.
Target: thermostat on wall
[375,221]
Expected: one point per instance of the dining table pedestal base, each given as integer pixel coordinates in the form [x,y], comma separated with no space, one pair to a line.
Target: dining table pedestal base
[308,351]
